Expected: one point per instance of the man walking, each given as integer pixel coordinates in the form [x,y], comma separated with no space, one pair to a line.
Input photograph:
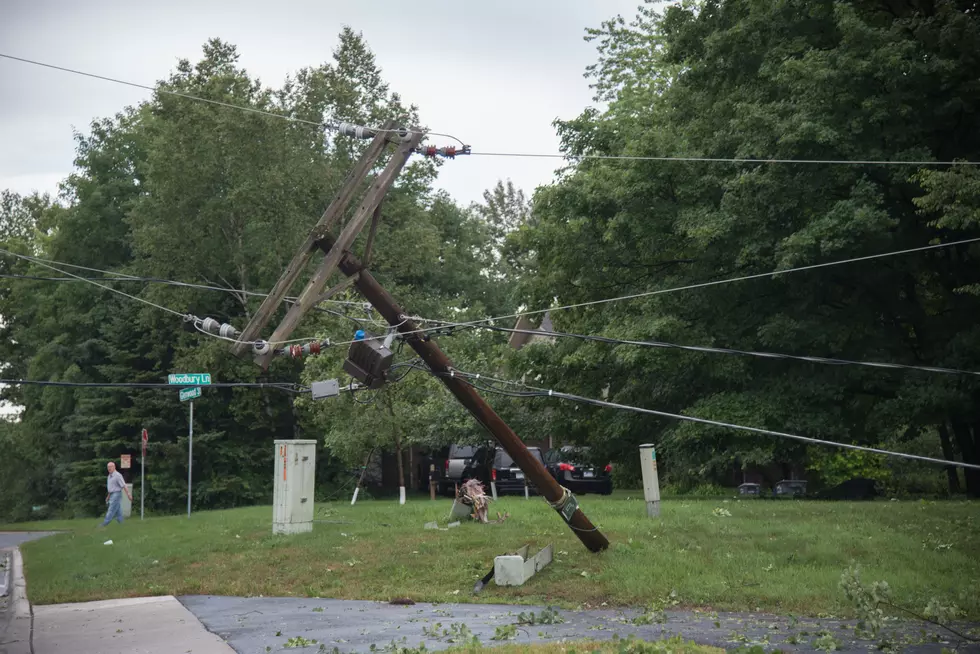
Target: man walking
[115,487]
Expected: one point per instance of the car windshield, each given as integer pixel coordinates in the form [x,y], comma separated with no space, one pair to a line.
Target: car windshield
[462,451]
[503,460]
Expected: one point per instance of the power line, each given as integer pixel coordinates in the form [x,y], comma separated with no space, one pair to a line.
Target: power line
[537,392]
[123,277]
[128,278]
[734,160]
[713,350]
[186,96]
[688,287]
[108,288]
[620,157]
[284,386]
[337,126]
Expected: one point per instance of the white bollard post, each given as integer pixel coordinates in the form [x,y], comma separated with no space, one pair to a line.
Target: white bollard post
[651,483]
[493,490]
[526,494]
[354,499]
[401,494]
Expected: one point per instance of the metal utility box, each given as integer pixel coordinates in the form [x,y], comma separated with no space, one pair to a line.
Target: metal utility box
[125,505]
[292,497]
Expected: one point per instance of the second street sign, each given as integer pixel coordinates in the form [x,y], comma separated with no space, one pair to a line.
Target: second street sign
[190,393]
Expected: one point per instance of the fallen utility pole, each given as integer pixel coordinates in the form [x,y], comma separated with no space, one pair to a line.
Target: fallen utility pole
[559,498]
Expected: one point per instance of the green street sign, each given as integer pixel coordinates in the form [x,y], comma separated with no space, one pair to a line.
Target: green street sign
[190,393]
[190,379]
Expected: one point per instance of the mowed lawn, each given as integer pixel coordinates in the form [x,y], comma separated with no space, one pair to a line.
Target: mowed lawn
[780,556]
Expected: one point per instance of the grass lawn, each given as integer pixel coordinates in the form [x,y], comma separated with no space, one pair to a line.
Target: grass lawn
[780,556]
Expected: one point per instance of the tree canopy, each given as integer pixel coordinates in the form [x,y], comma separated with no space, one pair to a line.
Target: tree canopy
[735,138]
[740,79]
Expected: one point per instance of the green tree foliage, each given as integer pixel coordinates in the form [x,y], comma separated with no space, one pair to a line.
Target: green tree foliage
[788,80]
[177,189]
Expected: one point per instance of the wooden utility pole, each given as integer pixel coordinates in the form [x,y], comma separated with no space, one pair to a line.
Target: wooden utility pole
[313,292]
[440,364]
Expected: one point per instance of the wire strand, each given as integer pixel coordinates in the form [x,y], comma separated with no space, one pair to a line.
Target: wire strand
[733,160]
[123,277]
[713,350]
[286,386]
[468,377]
[161,90]
[687,287]
[187,96]
[103,286]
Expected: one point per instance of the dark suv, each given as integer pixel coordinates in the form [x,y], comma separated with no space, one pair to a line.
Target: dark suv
[454,465]
[574,468]
[508,477]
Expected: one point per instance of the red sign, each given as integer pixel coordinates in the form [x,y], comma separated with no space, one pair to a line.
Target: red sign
[125,461]
[146,437]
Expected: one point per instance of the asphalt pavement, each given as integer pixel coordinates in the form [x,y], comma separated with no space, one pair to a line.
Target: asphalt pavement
[263,625]
[16,538]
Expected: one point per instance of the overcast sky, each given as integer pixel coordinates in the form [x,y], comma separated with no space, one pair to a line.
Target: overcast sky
[496,74]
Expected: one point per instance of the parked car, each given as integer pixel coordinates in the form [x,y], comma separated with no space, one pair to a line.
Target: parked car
[574,468]
[464,462]
[508,476]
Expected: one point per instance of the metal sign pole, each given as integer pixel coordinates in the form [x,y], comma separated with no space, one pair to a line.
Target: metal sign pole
[190,458]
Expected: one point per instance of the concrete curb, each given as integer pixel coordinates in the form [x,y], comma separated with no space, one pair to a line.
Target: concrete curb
[8,564]
[15,636]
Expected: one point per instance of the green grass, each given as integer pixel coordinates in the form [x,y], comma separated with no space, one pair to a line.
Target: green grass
[780,556]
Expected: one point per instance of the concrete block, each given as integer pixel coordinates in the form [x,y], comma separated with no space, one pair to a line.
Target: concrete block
[516,569]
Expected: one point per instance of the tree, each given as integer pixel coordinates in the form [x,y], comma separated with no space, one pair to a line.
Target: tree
[790,80]
[177,189]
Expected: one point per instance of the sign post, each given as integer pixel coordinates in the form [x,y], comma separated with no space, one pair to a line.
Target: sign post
[190,457]
[143,473]
[196,379]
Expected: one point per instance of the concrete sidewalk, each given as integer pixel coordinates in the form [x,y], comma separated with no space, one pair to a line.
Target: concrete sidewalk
[143,625]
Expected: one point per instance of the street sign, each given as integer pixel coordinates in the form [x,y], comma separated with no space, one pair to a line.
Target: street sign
[190,393]
[190,379]
[146,437]
[126,461]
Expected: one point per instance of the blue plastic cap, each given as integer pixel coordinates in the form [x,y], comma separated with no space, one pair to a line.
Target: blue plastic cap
[359,335]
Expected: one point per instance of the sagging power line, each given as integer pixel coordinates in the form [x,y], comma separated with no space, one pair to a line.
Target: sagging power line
[474,380]
[705,349]
[687,287]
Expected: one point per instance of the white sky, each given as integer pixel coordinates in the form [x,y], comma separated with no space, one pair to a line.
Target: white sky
[496,74]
